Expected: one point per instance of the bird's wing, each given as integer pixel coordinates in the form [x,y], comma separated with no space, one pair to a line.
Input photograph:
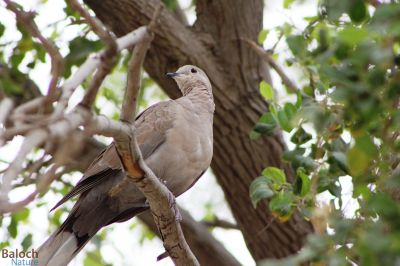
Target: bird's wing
[151,126]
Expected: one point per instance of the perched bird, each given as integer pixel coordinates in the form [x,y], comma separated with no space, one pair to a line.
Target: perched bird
[176,141]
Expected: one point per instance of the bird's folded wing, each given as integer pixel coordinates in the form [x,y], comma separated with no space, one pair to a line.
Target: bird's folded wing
[151,127]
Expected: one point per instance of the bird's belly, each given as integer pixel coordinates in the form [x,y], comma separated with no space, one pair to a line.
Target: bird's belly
[181,163]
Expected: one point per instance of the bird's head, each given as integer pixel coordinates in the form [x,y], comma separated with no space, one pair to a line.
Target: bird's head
[189,77]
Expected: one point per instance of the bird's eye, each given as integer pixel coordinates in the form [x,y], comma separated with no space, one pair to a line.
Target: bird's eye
[193,70]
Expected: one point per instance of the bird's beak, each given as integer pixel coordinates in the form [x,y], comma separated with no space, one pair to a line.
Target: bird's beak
[172,74]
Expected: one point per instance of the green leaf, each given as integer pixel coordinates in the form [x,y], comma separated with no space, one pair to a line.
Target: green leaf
[262,36]
[93,258]
[353,35]
[300,136]
[2,29]
[297,44]
[254,135]
[338,159]
[13,227]
[284,121]
[265,125]
[22,215]
[303,183]
[290,110]
[27,242]
[303,161]
[80,48]
[358,160]
[287,3]
[264,128]
[281,205]
[367,145]
[170,4]
[266,91]
[335,9]
[299,100]
[274,174]
[259,189]
[291,155]
[358,11]
[4,244]
[267,118]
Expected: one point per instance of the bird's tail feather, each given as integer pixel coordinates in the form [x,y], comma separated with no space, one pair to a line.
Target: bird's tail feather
[60,248]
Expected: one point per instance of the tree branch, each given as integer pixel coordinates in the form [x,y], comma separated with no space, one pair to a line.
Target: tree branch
[91,64]
[216,222]
[57,62]
[108,58]
[268,58]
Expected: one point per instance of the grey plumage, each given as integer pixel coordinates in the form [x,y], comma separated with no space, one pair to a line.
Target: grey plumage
[175,138]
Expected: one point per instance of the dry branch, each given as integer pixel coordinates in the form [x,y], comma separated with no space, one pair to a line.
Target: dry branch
[91,64]
[6,106]
[108,57]
[216,222]
[268,58]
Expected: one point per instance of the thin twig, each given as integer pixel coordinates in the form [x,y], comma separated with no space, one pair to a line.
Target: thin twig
[216,222]
[6,106]
[268,58]
[90,65]
[57,62]
[45,180]
[33,140]
[108,57]
[133,83]
[31,106]
[11,207]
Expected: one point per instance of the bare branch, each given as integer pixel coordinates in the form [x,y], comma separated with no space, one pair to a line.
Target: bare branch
[216,222]
[133,84]
[268,58]
[46,179]
[135,65]
[33,140]
[8,207]
[57,62]
[6,106]
[108,57]
[91,64]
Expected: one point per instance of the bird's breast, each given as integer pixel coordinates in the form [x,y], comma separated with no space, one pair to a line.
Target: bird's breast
[186,153]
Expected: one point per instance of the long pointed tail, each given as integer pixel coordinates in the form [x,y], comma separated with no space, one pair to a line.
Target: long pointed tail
[60,248]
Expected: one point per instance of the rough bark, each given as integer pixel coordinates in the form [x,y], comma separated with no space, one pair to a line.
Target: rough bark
[214,44]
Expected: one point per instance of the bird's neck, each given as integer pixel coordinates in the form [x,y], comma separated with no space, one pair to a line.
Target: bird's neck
[201,97]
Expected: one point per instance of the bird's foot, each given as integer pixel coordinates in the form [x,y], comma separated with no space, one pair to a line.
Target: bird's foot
[174,206]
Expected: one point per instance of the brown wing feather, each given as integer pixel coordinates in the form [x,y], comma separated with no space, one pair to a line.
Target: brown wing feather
[151,126]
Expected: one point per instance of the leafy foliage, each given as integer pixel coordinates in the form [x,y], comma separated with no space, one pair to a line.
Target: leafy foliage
[345,122]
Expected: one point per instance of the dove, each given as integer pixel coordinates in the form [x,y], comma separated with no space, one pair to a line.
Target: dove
[176,141]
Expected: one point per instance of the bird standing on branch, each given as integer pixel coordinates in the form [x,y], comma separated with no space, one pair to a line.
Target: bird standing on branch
[176,141]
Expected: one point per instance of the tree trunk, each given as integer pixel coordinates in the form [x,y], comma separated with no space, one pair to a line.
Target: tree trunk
[214,44]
